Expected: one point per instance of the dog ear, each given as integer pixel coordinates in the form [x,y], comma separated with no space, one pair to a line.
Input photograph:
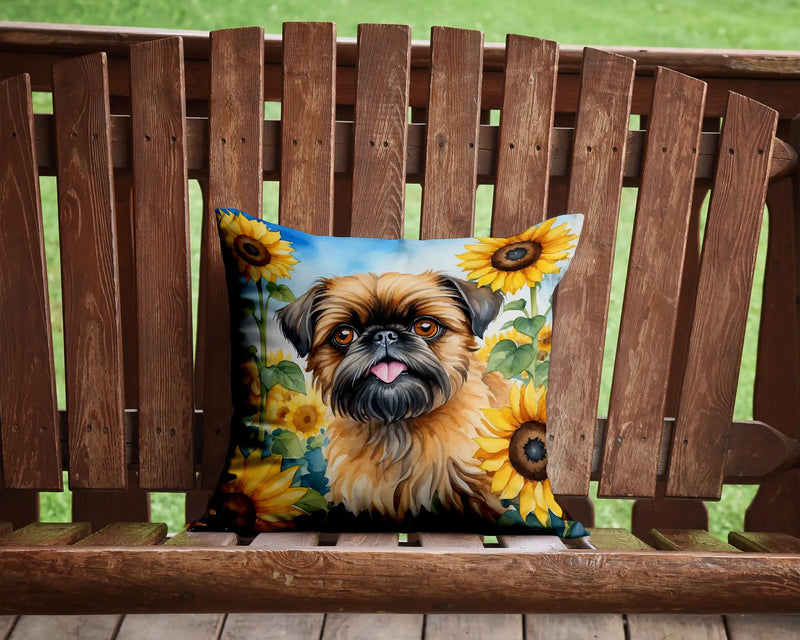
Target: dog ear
[296,320]
[481,303]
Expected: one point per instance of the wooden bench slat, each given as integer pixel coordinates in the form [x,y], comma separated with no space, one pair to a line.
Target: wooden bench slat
[649,313]
[166,409]
[723,297]
[49,534]
[688,627]
[90,280]
[559,626]
[18,506]
[308,111]
[126,534]
[380,131]
[286,540]
[582,305]
[100,508]
[526,131]
[367,540]
[689,540]
[610,539]
[531,544]
[451,156]
[28,409]
[764,542]
[437,540]
[5,528]
[187,538]
[236,122]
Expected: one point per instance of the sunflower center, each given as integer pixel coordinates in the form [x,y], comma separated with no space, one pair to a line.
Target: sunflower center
[251,250]
[527,452]
[516,256]
[305,418]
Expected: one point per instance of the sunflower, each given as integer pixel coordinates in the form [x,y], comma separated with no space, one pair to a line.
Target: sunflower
[260,253]
[511,263]
[491,341]
[515,456]
[307,414]
[278,400]
[262,491]
[544,340]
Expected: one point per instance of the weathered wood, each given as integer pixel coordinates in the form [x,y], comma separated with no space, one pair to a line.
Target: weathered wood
[62,580]
[645,627]
[380,626]
[615,540]
[6,624]
[18,506]
[100,508]
[526,129]
[66,627]
[765,542]
[451,157]
[582,304]
[723,297]
[162,266]
[287,626]
[748,627]
[689,540]
[555,626]
[203,539]
[50,534]
[126,534]
[286,540]
[380,131]
[176,627]
[307,143]
[531,544]
[28,410]
[236,122]
[90,278]
[664,513]
[649,314]
[450,540]
[470,625]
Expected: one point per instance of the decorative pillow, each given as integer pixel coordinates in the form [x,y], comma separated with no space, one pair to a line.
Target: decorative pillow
[389,384]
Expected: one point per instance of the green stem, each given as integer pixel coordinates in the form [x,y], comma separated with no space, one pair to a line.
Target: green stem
[534,309]
[262,331]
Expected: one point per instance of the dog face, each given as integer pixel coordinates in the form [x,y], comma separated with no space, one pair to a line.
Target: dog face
[388,347]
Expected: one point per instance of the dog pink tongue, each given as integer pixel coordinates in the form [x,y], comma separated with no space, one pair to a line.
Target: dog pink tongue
[388,371]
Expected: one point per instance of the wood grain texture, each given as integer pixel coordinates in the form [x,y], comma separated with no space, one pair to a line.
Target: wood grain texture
[723,297]
[203,539]
[18,506]
[607,539]
[28,410]
[66,627]
[764,542]
[162,266]
[473,625]
[448,193]
[126,534]
[526,126]
[689,540]
[89,275]
[307,116]
[210,579]
[582,305]
[286,540]
[377,626]
[175,627]
[236,122]
[748,627]
[380,131]
[652,288]
[287,626]
[531,544]
[50,534]
[100,508]
[666,513]
[555,626]
[646,627]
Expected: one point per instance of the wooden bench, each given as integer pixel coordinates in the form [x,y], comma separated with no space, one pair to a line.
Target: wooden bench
[139,113]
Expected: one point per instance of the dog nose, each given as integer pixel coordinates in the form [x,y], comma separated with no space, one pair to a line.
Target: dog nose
[385,337]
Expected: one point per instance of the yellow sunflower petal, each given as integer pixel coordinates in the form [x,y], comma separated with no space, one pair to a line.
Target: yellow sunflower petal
[502,477]
[526,500]
[492,445]
[550,499]
[513,487]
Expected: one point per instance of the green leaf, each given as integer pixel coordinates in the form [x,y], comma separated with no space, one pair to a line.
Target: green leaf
[287,444]
[510,359]
[515,305]
[287,374]
[271,287]
[312,501]
[507,325]
[530,326]
[283,293]
[541,373]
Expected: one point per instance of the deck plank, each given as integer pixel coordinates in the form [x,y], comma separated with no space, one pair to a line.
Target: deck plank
[568,626]
[685,627]
[65,627]
[145,626]
[286,626]
[749,627]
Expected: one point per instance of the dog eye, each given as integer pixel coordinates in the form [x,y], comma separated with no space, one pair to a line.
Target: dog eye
[344,335]
[426,328]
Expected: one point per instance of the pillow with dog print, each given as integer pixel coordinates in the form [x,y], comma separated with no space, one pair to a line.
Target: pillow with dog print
[389,384]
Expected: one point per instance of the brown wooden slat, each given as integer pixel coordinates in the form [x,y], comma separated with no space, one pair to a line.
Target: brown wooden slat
[664,513]
[531,544]
[450,540]
[380,131]
[203,539]
[367,540]
[451,157]
[18,506]
[126,534]
[649,314]
[689,540]
[582,304]
[65,627]
[526,125]
[5,528]
[307,143]
[236,122]
[100,508]
[50,534]
[646,627]
[555,626]
[750,627]
[286,540]
[764,542]
[615,540]
[89,275]
[162,266]
[723,297]
[28,410]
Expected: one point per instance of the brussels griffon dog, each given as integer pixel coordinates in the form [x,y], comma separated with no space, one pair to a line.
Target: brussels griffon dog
[394,358]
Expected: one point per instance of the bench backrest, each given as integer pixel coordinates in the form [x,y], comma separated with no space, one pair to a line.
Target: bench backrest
[148,408]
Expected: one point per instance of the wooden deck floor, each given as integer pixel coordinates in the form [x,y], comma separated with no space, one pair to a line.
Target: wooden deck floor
[400,627]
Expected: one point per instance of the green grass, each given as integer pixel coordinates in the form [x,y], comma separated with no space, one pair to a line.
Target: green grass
[679,23]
